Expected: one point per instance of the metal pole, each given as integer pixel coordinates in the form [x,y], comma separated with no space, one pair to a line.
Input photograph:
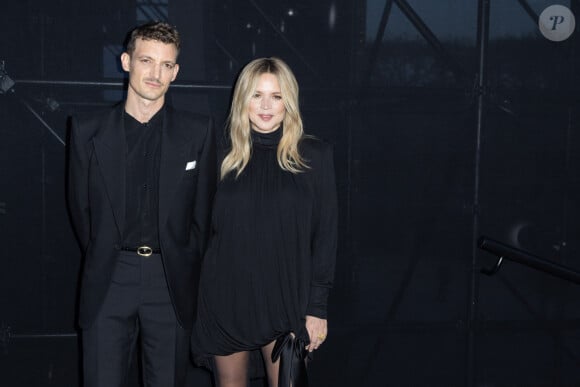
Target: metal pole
[482,41]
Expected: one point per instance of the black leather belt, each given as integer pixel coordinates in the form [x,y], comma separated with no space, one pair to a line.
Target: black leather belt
[143,251]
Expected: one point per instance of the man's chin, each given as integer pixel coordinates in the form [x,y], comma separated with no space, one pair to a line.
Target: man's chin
[152,97]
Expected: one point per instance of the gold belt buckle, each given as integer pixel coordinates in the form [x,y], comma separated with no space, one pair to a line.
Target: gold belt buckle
[144,251]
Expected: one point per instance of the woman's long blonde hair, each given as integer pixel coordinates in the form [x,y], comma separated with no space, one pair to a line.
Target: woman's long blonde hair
[239,127]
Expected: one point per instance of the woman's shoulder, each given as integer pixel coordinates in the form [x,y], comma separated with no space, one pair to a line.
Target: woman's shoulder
[313,146]
[317,153]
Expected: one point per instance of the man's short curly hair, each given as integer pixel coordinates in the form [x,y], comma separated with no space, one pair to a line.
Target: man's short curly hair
[160,31]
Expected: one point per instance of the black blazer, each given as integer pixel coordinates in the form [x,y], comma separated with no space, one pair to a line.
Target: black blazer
[96,197]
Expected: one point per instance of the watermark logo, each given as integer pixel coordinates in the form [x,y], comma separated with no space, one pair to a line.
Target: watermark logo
[557,23]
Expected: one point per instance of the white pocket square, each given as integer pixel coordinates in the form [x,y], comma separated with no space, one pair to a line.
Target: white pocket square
[190,165]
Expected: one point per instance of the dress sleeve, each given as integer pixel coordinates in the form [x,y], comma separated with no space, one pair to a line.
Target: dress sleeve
[324,236]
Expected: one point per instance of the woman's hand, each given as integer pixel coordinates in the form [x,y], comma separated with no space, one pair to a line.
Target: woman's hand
[317,330]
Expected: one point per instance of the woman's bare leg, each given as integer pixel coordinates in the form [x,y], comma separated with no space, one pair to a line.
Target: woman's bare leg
[272,369]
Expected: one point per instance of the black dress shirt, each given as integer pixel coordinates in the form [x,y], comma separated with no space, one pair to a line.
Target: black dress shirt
[142,181]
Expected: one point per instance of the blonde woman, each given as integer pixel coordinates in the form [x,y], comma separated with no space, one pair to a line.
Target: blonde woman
[271,255]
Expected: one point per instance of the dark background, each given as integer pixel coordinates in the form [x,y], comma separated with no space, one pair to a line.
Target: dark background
[452,119]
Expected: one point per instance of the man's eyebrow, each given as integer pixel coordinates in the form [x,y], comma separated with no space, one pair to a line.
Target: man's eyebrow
[146,56]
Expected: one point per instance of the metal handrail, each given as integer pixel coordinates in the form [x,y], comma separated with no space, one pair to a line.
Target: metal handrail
[6,336]
[503,251]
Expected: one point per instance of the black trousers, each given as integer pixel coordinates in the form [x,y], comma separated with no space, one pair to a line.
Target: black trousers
[137,311]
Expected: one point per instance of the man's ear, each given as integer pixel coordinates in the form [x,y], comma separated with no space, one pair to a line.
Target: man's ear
[175,71]
[125,61]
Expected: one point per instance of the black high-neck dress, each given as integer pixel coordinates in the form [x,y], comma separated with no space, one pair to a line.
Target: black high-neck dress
[271,255]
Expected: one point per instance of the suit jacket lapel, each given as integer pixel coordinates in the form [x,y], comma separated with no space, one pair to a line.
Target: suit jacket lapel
[174,146]
[110,149]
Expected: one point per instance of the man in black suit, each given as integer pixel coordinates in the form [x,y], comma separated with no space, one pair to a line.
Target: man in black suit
[141,181]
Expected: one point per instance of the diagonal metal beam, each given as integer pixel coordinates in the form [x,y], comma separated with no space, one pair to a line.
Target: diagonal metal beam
[151,12]
[157,9]
[161,10]
[227,52]
[378,40]
[429,36]
[283,37]
[529,10]
[43,122]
